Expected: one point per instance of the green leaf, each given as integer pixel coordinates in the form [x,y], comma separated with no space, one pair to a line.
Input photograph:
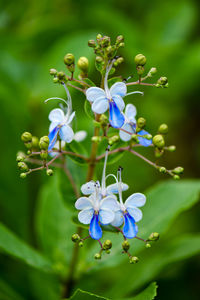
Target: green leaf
[12,245]
[7,292]
[82,295]
[78,148]
[147,294]
[88,110]
[113,80]
[89,81]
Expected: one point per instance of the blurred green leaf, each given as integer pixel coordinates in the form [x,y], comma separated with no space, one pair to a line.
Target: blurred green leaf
[7,292]
[83,295]
[89,81]
[88,110]
[12,245]
[147,294]
[76,147]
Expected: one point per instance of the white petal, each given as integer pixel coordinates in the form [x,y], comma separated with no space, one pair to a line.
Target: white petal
[125,136]
[85,216]
[119,101]
[71,118]
[94,93]
[136,199]
[83,202]
[113,188]
[106,216]
[118,88]
[56,115]
[110,202]
[79,136]
[130,113]
[100,105]
[53,125]
[135,213]
[88,188]
[66,133]
[118,219]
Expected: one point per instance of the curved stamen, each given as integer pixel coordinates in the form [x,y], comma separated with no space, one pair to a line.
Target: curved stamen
[108,68]
[119,175]
[56,98]
[103,181]
[135,92]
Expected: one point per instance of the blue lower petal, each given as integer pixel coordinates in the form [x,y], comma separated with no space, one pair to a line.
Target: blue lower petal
[53,137]
[116,118]
[130,229]
[142,141]
[95,230]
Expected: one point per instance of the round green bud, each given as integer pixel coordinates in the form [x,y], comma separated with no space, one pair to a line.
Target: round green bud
[61,75]
[96,139]
[80,244]
[119,39]
[49,172]
[69,59]
[162,170]
[107,251]
[109,49]
[120,60]
[152,71]
[121,45]
[99,36]
[29,152]
[163,129]
[20,158]
[55,80]
[26,137]
[147,136]
[113,139]
[97,256]
[22,166]
[154,236]
[162,80]
[75,238]
[140,70]
[107,245]
[91,43]
[141,122]
[103,120]
[158,141]
[28,145]
[178,170]
[125,245]
[148,245]
[44,142]
[83,64]
[134,259]
[105,41]
[171,148]
[176,177]
[134,138]
[140,60]
[99,59]
[44,154]
[23,175]
[35,142]
[53,72]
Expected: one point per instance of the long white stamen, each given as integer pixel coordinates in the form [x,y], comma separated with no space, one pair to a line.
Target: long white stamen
[103,181]
[96,196]
[112,175]
[120,185]
[69,101]
[135,92]
[109,67]
[56,98]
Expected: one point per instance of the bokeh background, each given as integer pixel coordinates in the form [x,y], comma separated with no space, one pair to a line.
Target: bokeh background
[34,36]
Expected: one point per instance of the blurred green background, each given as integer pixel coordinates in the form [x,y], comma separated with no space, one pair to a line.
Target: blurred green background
[34,36]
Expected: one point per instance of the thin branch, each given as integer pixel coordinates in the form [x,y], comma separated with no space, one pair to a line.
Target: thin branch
[140,83]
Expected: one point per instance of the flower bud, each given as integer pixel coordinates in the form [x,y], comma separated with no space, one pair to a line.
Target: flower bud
[159,141]
[162,80]
[119,39]
[28,145]
[96,139]
[107,245]
[44,154]
[103,120]
[107,251]
[162,170]
[152,72]
[53,72]
[55,80]
[44,142]
[154,236]
[22,166]
[121,45]
[171,148]
[105,41]
[176,177]
[99,59]
[98,37]
[61,75]
[26,137]
[140,70]
[23,175]
[140,60]
[125,245]
[141,122]
[97,256]
[20,158]
[91,43]
[83,64]
[134,138]
[134,259]
[158,152]
[29,152]
[178,170]
[49,172]
[69,59]
[80,244]
[75,238]
[163,129]
[35,142]
[148,245]
[113,139]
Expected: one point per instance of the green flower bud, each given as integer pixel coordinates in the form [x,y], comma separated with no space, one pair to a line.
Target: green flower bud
[53,72]
[162,80]
[159,141]
[61,75]
[107,251]
[158,152]
[80,244]
[26,137]
[55,80]
[134,138]
[140,60]
[147,136]
[154,236]
[75,238]
[91,43]
[140,70]
[163,129]
[23,175]
[176,177]
[96,139]
[141,122]
[152,72]
[28,145]
[134,259]
[105,41]
[69,59]
[99,37]
[121,45]
[35,142]
[49,172]
[107,245]
[44,142]
[83,64]
[119,39]
[125,245]
[20,158]
[148,245]
[103,120]
[44,154]
[178,170]
[171,148]
[99,59]
[97,256]
[22,166]
[162,170]
[120,60]
[29,152]
[113,139]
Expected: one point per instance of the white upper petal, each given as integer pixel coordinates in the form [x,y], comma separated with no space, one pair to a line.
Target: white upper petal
[56,115]
[136,199]
[94,93]
[79,136]
[100,105]
[130,113]
[125,136]
[118,88]
[110,202]
[83,202]
[88,188]
[113,188]
[66,133]
[85,216]
[135,213]
[106,216]
[71,118]
[118,219]
[119,101]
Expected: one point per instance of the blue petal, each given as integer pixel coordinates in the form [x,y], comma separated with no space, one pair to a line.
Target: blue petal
[53,137]
[116,118]
[142,141]
[95,230]
[130,229]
